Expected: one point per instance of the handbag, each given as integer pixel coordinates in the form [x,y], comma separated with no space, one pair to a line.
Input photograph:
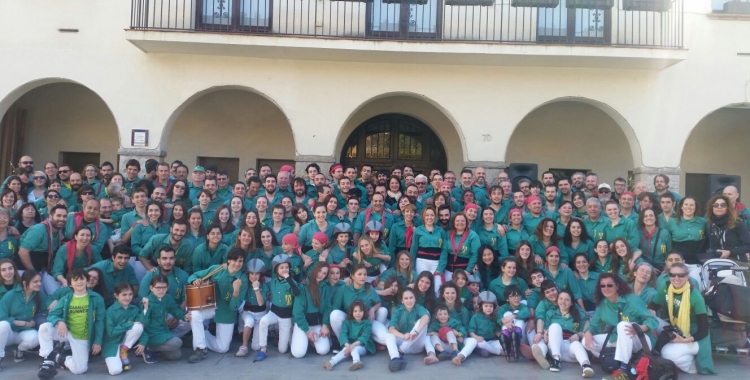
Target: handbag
[649,366]
[607,356]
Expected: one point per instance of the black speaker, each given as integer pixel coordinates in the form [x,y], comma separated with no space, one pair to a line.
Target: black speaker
[517,172]
[717,183]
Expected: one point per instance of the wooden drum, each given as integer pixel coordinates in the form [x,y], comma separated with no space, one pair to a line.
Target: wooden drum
[201,297]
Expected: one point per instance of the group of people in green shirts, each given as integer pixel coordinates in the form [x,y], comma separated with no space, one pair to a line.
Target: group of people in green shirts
[355,262]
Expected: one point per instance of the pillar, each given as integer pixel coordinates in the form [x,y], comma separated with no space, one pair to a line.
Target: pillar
[647,174]
[141,155]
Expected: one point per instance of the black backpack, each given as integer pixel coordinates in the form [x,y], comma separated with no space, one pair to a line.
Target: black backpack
[655,367]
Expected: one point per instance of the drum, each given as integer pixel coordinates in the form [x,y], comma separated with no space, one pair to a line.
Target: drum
[201,297]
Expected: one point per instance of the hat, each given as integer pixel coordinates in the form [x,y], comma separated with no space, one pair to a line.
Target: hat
[290,239]
[470,206]
[342,228]
[487,296]
[552,248]
[373,225]
[515,210]
[287,168]
[255,266]
[605,186]
[532,198]
[472,279]
[334,167]
[321,237]
[199,169]
[280,259]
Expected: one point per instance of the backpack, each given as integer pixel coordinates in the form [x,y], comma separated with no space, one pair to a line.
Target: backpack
[649,366]
[731,300]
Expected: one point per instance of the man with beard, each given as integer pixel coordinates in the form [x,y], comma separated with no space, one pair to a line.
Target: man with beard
[480,194]
[444,217]
[106,171]
[253,190]
[174,239]
[283,187]
[550,197]
[620,185]
[480,185]
[89,217]
[446,188]
[564,189]
[661,186]
[132,168]
[159,195]
[211,185]
[176,280]
[376,211]
[269,191]
[382,177]
[604,193]
[25,163]
[499,205]
[39,244]
[577,180]
[535,214]
[181,173]
[592,183]
[365,174]
[548,178]
[519,200]
[265,170]
[211,172]
[300,191]
[75,181]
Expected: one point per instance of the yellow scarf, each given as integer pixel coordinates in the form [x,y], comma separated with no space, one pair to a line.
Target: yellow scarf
[682,320]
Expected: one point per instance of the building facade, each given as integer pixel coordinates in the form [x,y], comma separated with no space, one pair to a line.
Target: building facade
[609,86]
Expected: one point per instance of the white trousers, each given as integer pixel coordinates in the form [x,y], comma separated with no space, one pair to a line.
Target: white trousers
[469,344]
[203,339]
[114,364]
[78,362]
[378,332]
[285,330]
[300,342]
[49,283]
[357,353]
[249,319]
[520,323]
[429,266]
[682,355]
[625,344]
[413,346]
[564,349]
[138,268]
[25,340]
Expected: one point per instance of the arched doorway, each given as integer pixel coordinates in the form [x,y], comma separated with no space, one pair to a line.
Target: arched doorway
[390,139]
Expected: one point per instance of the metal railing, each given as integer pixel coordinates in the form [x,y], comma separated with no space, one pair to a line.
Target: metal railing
[655,23]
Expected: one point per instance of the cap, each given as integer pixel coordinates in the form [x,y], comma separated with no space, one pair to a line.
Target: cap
[321,237]
[199,169]
[334,167]
[487,296]
[280,259]
[470,206]
[515,210]
[342,228]
[552,248]
[373,225]
[532,198]
[605,186]
[290,239]
[287,168]
[255,266]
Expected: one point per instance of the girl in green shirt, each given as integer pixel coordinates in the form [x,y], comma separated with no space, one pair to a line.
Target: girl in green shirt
[211,252]
[124,328]
[586,280]
[17,310]
[449,297]
[8,276]
[76,253]
[371,257]
[142,233]
[268,249]
[642,280]
[623,259]
[403,269]
[354,338]
[564,328]
[282,289]
[255,305]
[603,261]
[512,317]
[407,332]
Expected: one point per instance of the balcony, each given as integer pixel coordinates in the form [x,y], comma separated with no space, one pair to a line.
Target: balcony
[647,34]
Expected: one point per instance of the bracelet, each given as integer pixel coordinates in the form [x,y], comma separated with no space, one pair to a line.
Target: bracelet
[256,289]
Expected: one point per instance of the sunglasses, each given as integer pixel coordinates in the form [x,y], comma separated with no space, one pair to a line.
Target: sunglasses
[678,275]
[36,178]
[719,205]
[53,196]
[27,162]
[179,187]
[64,171]
[87,193]
[604,286]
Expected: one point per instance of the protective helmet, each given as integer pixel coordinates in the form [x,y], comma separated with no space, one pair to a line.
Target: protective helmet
[255,266]
[487,296]
[281,259]
[342,228]
[373,225]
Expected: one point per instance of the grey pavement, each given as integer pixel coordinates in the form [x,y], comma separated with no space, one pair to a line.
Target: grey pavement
[284,366]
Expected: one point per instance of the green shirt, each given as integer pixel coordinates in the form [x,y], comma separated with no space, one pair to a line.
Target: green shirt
[307,231]
[353,331]
[304,305]
[36,240]
[226,303]
[8,247]
[348,294]
[453,323]
[267,259]
[182,255]
[567,252]
[490,237]
[98,240]
[15,307]
[95,315]
[111,277]
[514,236]
[404,320]
[203,257]
[118,321]
[522,312]
[141,235]
[60,263]
[588,286]
[629,308]
[596,229]
[481,325]
[424,239]
[497,287]
[281,292]
[128,220]
[176,281]
[655,251]
[687,230]
[156,329]
[625,228]
[565,279]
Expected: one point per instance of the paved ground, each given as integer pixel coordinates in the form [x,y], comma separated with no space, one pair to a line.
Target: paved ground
[285,367]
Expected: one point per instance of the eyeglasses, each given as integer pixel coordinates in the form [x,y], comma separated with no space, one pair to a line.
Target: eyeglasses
[160,287]
[179,187]
[604,286]
[53,196]
[36,178]
[63,171]
[719,205]
[87,193]
[678,275]
[421,183]
[27,162]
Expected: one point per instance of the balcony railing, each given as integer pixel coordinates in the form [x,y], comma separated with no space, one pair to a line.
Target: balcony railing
[654,23]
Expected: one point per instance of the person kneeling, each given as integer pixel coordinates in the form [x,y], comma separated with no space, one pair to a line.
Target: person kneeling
[407,332]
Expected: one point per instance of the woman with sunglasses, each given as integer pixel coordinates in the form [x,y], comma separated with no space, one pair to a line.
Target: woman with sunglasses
[685,309]
[727,234]
[50,200]
[40,181]
[619,309]
[178,193]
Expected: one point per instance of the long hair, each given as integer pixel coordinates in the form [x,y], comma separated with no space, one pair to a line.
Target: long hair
[482,267]
[185,213]
[652,279]
[527,264]
[26,280]
[617,261]
[295,210]
[450,284]
[356,304]
[539,231]
[274,241]
[355,269]
[574,313]
[230,227]
[201,229]
[410,269]
[680,216]
[568,237]
[253,243]
[429,295]
[374,250]
[100,288]
[392,279]
[731,213]
[312,283]
[19,213]
[16,276]
[623,288]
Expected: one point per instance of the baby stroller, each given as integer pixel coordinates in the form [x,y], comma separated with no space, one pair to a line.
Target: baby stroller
[728,300]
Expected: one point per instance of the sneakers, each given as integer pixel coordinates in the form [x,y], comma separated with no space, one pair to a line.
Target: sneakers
[148,357]
[328,365]
[47,370]
[444,355]
[617,375]
[124,357]
[356,365]
[396,364]
[260,356]
[198,355]
[539,356]
[587,371]
[555,365]
[18,356]
[241,352]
